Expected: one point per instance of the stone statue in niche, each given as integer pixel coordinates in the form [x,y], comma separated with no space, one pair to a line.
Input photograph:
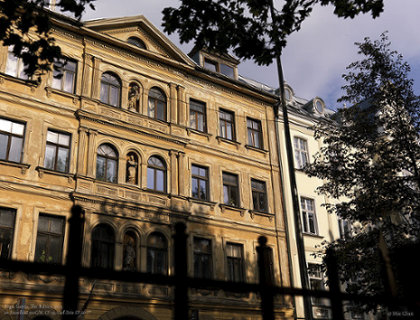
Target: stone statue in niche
[133,97]
[129,261]
[131,168]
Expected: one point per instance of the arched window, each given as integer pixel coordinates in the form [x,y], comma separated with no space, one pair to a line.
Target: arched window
[134,97]
[110,89]
[137,42]
[130,251]
[103,244]
[157,253]
[132,168]
[156,174]
[157,104]
[107,163]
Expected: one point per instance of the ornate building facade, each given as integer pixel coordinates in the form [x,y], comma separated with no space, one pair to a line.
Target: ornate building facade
[141,136]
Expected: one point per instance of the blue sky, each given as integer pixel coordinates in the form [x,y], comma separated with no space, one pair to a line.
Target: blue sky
[317,55]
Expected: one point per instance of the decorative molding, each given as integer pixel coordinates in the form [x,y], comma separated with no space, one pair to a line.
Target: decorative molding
[225,207]
[197,132]
[253,213]
[42,170]
[23,166]
[232,142]
[256,149]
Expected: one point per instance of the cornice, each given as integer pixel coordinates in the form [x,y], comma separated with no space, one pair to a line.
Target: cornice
[190,71]
[82,114]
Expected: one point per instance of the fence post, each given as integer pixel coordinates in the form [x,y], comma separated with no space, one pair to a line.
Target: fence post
[334,284]
[73,264]
[266,279]
[181,287]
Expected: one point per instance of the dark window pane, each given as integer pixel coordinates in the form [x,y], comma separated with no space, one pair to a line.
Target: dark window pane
[203,190]
[49,242]
[63,156]
[137,42]
[7,222]
[4,140]
[111,174]
[114,96]
[161,110]
[69,82]
[226,70]
[15,151]
[55,249]
[49,157]
[150,178]
[103,242]
[104,93]
[194,187]
[160,180]
[100,168]
[41,249]
[210,65]
[229,131]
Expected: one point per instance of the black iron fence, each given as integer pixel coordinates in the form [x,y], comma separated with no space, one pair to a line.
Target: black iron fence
[73,271]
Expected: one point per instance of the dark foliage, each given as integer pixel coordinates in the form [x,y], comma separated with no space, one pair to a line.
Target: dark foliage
[371,162]
[26,25]
[248,27]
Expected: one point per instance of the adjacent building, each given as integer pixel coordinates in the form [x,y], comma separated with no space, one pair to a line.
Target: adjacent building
[318,226]
[142,136]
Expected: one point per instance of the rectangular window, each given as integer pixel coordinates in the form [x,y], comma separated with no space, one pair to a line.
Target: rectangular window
[230,189]
[227,124]
[198,115]
[7,224]
[308,215]
[235,262]
[200,182]
[259,195]
[301,152]
[254,133]
[64,75]
[316,281]
[227,70]
[344,228]
[15,65]
[11,140]
[203,264]
[49,239]
[210,65]
[57,151]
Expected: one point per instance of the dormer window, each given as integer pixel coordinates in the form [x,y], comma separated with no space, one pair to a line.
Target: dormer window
[220,67]
[136,42]
[227,70]
[210,65]
[319,106]
[222,63]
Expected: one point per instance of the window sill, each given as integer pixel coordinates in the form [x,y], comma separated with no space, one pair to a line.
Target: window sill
[233,142]
[23,166]
[42,170]
[160,193]
[198,132]
[254,213]
[107,105]
[315,235]
[225,207]
[159,120]
[256,149]
[66,94]
[203,202]
[32,83]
